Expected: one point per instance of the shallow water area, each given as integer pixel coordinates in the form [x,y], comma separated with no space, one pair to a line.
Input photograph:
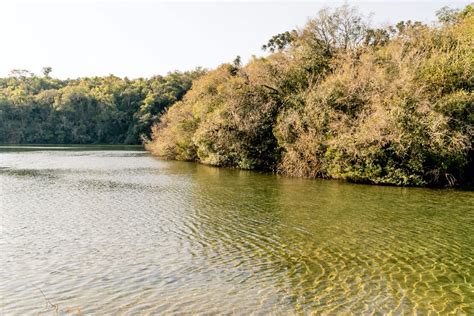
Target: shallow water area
[107,230]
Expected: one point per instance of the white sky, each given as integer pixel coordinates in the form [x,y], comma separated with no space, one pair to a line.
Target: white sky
[144,38]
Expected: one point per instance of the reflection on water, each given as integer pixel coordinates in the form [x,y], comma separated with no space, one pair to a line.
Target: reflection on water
[117,231]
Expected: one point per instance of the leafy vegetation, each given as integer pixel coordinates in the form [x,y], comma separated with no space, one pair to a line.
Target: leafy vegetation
[108,110]
[338,99]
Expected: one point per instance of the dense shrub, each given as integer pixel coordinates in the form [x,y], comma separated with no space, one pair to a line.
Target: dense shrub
[386,106]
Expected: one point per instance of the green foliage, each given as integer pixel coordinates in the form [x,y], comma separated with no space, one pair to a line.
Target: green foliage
[107,110]
[338,100]
[280,41]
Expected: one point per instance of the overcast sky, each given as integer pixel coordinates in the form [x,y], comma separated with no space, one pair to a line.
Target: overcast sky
[144,38]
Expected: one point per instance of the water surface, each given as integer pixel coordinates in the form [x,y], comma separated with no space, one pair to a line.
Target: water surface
[114,230]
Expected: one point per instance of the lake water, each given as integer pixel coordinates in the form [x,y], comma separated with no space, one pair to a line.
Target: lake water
[109,230]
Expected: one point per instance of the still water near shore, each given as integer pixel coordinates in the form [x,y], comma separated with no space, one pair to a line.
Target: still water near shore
[109,230]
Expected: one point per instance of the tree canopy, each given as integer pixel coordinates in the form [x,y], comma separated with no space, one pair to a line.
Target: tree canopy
[335,99]
[339,99]
[109,110]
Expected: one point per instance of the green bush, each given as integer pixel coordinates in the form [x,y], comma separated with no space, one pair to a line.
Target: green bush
[393,108]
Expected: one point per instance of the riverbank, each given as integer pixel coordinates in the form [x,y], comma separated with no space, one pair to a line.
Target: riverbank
[466,186]
[383,106]
[26,147]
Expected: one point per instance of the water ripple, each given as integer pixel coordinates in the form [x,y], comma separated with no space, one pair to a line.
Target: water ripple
[117,232]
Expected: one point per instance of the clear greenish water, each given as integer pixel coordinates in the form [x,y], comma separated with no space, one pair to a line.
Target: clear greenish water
[116,231]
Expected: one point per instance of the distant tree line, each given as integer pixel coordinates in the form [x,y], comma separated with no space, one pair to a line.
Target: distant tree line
[338,99]
[105,110]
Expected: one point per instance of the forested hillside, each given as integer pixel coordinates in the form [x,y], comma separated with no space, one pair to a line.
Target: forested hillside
[339,99]
[105,110]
